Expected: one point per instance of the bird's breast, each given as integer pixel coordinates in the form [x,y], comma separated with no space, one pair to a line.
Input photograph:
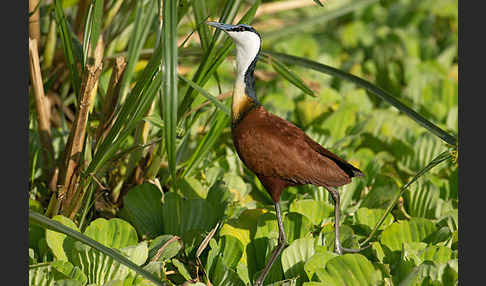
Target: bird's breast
[273,147]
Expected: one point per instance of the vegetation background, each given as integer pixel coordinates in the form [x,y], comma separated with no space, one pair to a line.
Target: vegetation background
[133,176]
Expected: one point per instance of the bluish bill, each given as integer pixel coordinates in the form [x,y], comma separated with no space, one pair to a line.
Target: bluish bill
[222,26]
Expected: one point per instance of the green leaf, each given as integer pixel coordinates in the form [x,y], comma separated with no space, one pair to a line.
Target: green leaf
[414,230]
[232,250]
[66,270]
[240,228]
[181,216]
[427,273]
[426,148]
[157,268]
[347,236]
[422,200]
[218,124]
[130,114]
[286,282]
[115,233]
[181,268]
[137,253]
[207,95]
[144,17]
[296,226]
[142,207]
[100,268]
[382,193]
[221,275]
[169,87]
[59,243]
[341,120]
[56,226]
[436,161]
[315,211]
[370,217]
[67,36]
[318,260]
[436,253]
[292,77]
[69,282]
[41,276]
[295,256]
[96,19]
[200,14]
[155,120]
[32,258]
[164,247]
[349,270]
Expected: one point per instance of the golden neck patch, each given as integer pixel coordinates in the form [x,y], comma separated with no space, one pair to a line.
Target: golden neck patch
[241,101]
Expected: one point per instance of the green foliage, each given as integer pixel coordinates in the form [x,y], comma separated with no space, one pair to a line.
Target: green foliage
[349,269]
[168,202]
[143,209]
[59,243]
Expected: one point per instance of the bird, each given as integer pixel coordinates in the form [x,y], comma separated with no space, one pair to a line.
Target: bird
[278,152]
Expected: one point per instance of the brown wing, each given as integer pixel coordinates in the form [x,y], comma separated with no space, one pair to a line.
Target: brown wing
[273,147]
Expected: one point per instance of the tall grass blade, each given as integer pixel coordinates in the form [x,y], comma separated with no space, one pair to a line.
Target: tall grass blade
[446,155]
[170,100]
[289,75]
[87,33]
[131,112]
[206,94]
[220,122]
[200,14]
[144,17]
[96,20]
[434,129]
[67,36]
[57,226]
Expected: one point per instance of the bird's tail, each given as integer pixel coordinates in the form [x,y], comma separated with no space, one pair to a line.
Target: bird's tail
[356,172]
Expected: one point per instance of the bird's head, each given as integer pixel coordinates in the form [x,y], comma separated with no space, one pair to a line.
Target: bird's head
[247,41]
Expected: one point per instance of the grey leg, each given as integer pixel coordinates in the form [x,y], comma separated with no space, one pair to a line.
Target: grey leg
[281,244]
[337,243]
[337,213]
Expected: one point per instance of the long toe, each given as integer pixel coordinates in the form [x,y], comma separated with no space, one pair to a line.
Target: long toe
[338,250]
[353,250]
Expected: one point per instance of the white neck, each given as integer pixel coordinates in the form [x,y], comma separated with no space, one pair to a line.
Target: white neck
[247,47]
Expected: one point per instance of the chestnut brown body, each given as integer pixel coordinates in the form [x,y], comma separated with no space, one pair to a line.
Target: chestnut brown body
[281,154]
[278,152]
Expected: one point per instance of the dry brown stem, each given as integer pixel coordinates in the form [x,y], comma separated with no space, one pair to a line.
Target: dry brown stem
[97,59]
[42,108]
[111,99]
[69,174]
[34,25]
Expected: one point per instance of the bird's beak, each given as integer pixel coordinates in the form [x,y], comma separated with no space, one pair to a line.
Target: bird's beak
[221,26]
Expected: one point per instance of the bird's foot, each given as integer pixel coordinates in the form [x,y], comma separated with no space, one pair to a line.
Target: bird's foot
[341,250]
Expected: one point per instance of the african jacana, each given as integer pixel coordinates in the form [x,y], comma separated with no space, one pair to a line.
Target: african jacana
[278,152]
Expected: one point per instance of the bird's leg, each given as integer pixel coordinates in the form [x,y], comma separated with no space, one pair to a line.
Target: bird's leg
[281,244]
[337,243]
[335,196]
